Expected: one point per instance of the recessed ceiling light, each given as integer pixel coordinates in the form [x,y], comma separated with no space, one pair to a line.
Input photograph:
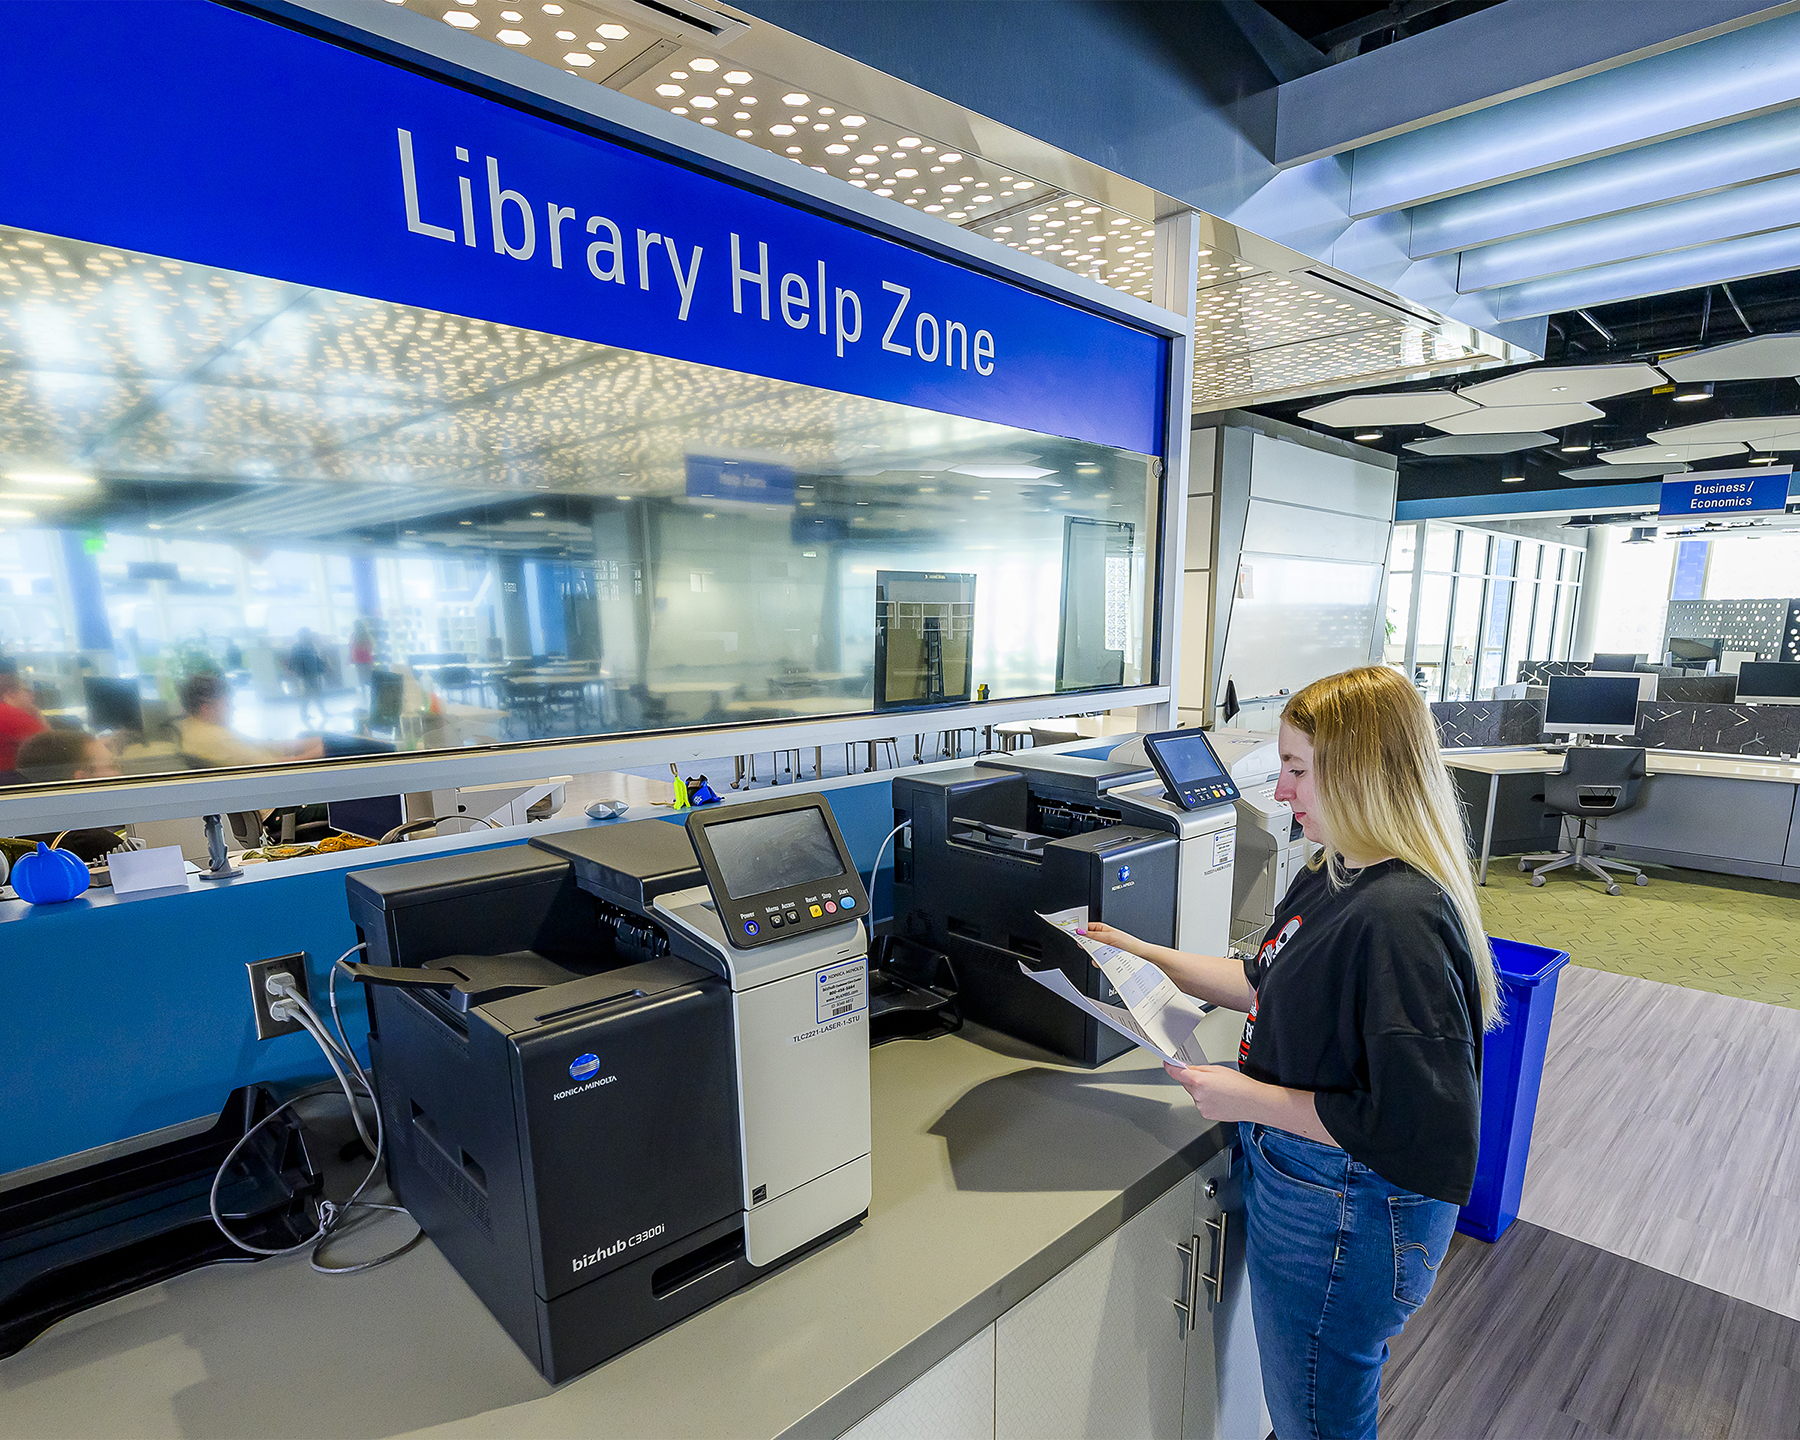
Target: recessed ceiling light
[1687,394]
[1367,435]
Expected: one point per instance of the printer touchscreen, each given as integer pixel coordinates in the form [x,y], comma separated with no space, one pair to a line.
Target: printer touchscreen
[1185,762]
[773,850]
[776,868]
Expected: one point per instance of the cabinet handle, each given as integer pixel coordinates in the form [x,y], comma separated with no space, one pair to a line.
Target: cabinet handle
[1217,1278]
[1191,1253]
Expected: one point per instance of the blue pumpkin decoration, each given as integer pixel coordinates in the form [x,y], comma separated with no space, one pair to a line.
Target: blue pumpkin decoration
[47,876]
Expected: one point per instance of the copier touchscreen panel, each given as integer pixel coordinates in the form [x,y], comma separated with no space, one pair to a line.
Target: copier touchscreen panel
[773,850]
[776,868]
[1185,761]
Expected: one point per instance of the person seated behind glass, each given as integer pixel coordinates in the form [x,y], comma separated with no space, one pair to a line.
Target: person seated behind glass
[206,733]
[19,718]
[64,755]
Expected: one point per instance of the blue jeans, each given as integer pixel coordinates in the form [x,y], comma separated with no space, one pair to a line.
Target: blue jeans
[1338,1260]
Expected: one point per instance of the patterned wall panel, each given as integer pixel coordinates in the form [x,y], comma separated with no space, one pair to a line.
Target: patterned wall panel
[1742,624]
[1790,641]
[1721,729]
[1463,724]
[1538,672]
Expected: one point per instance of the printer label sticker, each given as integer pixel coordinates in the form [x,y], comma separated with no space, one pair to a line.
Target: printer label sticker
[841,990]
[1224,847]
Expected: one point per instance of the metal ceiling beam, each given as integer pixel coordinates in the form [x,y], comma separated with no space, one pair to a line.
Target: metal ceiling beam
[1679,169]
[1483,60]
[1732,77]
[1657,275]
[1747,210]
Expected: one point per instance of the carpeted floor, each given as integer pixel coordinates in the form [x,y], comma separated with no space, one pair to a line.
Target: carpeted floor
[1686,927]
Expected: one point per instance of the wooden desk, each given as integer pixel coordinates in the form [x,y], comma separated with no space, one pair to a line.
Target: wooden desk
[1749,831]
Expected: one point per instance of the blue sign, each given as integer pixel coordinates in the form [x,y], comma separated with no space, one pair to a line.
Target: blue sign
[224,139]
[756,482]
[1725,494]
[584,1067]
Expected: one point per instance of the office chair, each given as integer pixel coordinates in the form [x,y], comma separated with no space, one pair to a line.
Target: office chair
[1595,780]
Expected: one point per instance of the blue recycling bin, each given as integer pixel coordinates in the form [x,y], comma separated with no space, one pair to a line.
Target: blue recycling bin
[1512,1066]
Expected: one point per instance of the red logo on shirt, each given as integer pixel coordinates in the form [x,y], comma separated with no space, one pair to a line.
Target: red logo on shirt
[1264,958]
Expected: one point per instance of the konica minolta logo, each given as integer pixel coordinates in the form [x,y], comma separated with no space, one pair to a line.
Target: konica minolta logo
[584,1067]
[606,1252]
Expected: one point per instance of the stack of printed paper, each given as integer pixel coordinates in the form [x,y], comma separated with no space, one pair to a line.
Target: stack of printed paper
[1155,1014]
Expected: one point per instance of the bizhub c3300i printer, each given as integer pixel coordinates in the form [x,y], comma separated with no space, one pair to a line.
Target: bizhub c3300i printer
[624,1070]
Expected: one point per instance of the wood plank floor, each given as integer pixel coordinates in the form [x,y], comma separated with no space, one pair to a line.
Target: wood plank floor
[1666,1133]
[1541,1337]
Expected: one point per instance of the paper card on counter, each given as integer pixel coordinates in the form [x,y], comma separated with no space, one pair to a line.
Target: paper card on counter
[1160,1016]
[135,870]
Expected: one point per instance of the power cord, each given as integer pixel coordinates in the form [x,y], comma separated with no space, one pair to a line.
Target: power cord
[876,867]
[289,1004]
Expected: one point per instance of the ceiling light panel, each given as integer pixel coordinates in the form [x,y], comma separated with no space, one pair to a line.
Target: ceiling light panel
[1650,454]
[1749,428]
[1480,444]
[1626,472]
[831,137]
[1761,357]
[1388,350]
[582,39]
[1265,310]
[1560,384]
[1413,407]
[1510,419]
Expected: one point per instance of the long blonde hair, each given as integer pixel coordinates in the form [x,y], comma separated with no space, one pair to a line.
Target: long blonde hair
[1382,790]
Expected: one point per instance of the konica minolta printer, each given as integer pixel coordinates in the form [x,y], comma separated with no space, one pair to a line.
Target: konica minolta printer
[992,844]
[623,1070]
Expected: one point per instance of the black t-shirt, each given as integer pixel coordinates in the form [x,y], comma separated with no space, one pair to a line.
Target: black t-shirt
[1367,996]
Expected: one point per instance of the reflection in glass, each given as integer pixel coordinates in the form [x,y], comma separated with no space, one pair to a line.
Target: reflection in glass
[1399,608]
[384,527]
[1465,633]
[1434,626]
[1440,547]
[1493,639]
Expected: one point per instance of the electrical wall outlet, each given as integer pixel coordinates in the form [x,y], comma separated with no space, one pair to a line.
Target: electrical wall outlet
[267,1026]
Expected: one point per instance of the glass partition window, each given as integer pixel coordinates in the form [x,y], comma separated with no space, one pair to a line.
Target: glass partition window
[368,526]
[1488,603]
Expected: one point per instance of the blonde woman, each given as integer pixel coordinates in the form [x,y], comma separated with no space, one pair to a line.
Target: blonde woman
[1358,1088]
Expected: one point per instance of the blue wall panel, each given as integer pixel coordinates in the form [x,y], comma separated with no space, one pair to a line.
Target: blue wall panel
[119,1017]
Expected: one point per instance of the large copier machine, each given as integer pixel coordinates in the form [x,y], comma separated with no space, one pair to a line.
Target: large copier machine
[990,845]
[1271,850]
[624,1070]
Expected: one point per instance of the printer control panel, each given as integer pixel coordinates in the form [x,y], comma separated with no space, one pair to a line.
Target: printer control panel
[777,868]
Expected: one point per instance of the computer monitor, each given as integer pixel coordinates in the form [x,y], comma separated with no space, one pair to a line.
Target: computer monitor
[1592,705]
[1610,660]
[1645,680]
[1769,682]
[1685,648]
[112,704]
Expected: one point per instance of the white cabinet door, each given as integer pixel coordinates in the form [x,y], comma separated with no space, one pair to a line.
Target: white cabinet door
[954,1400]
[1099,1350]
[1224,1375]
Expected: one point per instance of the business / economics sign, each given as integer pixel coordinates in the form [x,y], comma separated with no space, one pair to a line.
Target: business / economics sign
[199,133]
[1725,494]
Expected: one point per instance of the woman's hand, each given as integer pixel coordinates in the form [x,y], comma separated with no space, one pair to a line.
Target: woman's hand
[1106,935]
[1221,1093]
[1226,1095]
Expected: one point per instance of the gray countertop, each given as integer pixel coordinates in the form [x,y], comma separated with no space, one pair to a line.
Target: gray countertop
[994,1169]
